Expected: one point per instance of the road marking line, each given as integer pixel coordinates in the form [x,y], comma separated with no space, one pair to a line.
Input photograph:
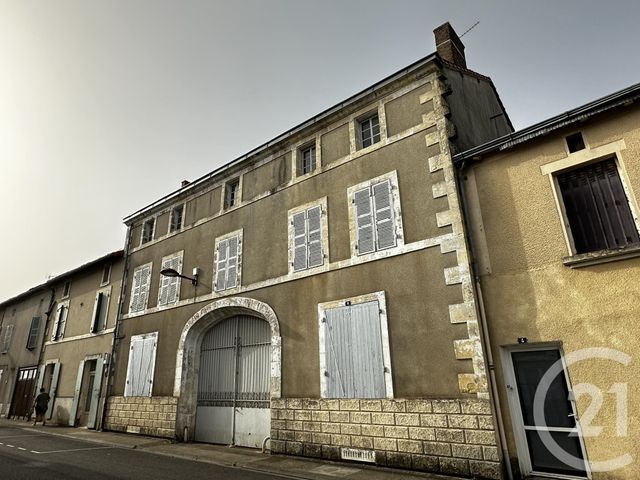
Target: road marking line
[20,436]
[20,448]
[10,446]
[33,451]
[75,450]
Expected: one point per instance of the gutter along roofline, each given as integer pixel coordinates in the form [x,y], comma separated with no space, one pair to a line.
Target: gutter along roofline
[57,278]
[289,133]
[617,99]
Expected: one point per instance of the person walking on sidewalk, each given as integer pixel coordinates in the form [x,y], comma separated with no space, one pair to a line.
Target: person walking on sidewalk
[41,404]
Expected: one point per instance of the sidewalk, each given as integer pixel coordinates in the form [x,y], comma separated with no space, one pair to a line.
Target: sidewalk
[241,458]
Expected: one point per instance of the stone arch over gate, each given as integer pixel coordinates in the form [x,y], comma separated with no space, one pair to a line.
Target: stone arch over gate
[188,356]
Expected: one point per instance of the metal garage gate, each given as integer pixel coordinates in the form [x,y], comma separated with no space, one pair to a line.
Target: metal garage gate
[234,383]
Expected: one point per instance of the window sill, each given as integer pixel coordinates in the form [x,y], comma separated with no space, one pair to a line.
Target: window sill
[601,256]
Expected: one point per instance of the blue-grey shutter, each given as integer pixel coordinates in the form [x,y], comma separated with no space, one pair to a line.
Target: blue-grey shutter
[232,262]
[95,394]
[33,332]
[314,227]
[221,266]
[353,349]
[76,396]
[385,227]
[364,221]
[299,242]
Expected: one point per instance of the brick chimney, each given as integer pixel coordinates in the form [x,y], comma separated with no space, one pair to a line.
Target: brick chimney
[449,46]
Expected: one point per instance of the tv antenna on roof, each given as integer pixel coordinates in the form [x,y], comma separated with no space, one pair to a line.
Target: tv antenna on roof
[469,29]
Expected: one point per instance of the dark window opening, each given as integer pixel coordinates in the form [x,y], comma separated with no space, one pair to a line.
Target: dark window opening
[147,230]
[597,208]
[369,131]
[66,289]
[308,160]
[176,218]
[106,274]
[575,142]
[231,193]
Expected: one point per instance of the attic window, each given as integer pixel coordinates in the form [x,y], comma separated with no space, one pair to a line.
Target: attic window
[148,228]
[575,142]
[232,190]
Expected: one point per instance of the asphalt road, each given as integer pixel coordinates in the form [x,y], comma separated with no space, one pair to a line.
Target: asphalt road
[28,455]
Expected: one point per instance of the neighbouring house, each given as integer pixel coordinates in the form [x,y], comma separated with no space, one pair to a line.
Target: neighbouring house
[553,215]
[316,292]
[59,336]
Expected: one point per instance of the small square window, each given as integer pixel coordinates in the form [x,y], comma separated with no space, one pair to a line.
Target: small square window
[147,230]
[307,160]
[176,218]
[231,193]
[597,207]
[66,289]
[369,130]
[575,142]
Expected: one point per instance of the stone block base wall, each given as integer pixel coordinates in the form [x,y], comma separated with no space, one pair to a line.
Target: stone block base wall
[443,436]
[154,416]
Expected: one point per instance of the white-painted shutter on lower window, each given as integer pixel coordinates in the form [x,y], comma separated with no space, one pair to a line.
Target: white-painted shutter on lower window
[299,242]
[364,221]
[385,228]
[142,356]
[314,222]
[221,266]
[232,262]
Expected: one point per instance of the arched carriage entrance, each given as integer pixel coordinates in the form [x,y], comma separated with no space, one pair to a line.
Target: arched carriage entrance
[227,370]
[233,383]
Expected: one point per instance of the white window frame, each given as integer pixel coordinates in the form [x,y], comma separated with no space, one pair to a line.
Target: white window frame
[238,196]
[64,307]
[300,160]
[225,291]
[177,280]
[324,232]
[127,385]
[153,230]
[392,178]
[579,159]
[131,295]
[359,123]
[384,329]
[66,291]
[179,229]
[102,281]
[106,292]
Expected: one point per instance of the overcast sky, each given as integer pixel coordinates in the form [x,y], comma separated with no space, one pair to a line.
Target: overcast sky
[105,106]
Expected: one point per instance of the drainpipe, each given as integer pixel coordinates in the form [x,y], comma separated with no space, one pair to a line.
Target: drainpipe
[44,336]
[116,330]
[484,331]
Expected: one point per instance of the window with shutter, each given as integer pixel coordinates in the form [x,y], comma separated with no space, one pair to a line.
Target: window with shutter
[170,286]
[374,213]
[354,351]
[228,261]
[140,288]
[7,333]
[306,238]
[33,333]
[60,321]
[597,207]
[142,358]
[100,310]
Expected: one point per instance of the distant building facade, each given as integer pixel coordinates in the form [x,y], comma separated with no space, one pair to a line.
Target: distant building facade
[553,214]
[59,336]
[333,311]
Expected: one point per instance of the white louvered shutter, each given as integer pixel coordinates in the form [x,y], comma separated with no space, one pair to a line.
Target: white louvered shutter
[58,325]
[221,266]
[314,236]
[145,283]
[299,242]
[64,313]
[232,262]
[385,227]
[135,290]
[163,293]
[364,221]
[7,332]
[172,288]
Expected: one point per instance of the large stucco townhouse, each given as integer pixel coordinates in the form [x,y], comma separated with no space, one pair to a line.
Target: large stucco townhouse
[59,336]
[326,303]
[553,215]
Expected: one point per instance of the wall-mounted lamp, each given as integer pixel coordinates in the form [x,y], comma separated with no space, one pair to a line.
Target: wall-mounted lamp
[170,272]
